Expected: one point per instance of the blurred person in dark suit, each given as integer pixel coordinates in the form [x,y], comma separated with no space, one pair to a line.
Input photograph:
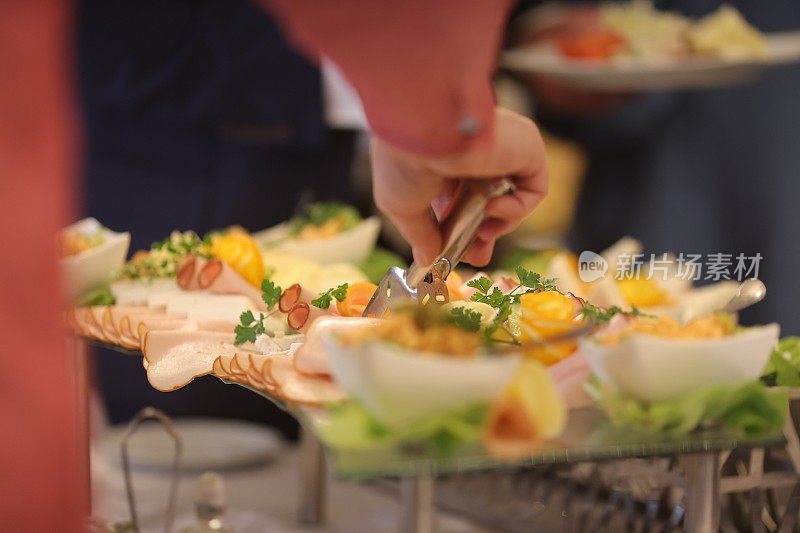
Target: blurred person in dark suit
[696,171]
[199,115]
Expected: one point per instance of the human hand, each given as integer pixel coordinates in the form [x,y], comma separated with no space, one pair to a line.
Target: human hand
[405,186]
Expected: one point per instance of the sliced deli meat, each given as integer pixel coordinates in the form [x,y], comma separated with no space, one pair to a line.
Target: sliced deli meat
[294,387]
[189,272]
[138,292]
[174,358]
[202,306]
[219,278]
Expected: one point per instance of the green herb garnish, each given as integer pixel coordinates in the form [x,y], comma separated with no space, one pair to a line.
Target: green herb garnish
[249,327]
[533,280]
[324,299]
[100,296]
[783,368]
[318,214]
[465,319]
[270,293]
[598,315]
[528,282]
[164,256]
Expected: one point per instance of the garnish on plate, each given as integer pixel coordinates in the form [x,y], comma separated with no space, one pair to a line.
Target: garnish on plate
[250,327]
[783,368]
[599,315]
[323,220]
[748,408]
[99,296]
[465,319]
[73,242]
[336,293]
[528,282]
[270,293]
[426,329]
[357,296]
[710,327]
[164,256]
[238,249]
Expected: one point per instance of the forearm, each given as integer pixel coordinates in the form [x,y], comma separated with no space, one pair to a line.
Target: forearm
[422,69]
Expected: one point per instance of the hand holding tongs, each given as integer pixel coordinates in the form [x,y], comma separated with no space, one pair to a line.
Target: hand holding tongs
[426,282]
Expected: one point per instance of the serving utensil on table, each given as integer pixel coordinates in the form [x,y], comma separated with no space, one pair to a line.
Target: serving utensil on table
[426,283]
[750,291]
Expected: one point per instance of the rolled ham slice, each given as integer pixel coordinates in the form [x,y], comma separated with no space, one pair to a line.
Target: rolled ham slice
[293,295]
[311,358]
[219,278]
[189,272]
[303,315]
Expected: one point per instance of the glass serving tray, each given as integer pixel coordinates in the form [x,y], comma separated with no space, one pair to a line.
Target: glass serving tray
[588,436]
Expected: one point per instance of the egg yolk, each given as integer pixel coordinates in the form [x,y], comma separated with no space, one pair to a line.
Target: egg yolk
[642,292]
[546,314]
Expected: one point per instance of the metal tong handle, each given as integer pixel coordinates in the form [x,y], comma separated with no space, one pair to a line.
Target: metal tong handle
[146,414]
[460,226]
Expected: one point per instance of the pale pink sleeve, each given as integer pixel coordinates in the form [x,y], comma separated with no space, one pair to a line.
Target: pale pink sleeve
[423,69]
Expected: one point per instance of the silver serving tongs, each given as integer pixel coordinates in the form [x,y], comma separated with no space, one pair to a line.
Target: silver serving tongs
[426,283]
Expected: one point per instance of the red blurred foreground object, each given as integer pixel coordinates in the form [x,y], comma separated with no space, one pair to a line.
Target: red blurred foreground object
[43,482]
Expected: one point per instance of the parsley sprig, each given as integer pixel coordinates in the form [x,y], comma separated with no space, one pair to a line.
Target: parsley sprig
[528,282]
[250,327]
[465,319]
[324,299]
[270,293]
[599,315]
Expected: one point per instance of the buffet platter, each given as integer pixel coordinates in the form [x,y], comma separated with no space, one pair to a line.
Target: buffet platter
[632,46]
[527,364]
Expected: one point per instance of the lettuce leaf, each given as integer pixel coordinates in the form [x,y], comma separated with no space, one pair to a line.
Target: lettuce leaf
[99,296]
[783,368]
[352,427]
[749,408]
[378,262]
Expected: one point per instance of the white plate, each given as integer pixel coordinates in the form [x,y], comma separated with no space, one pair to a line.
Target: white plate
[399,386]
[637,75]
[208,444]
[653,369]
[92,268]
[352,246]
